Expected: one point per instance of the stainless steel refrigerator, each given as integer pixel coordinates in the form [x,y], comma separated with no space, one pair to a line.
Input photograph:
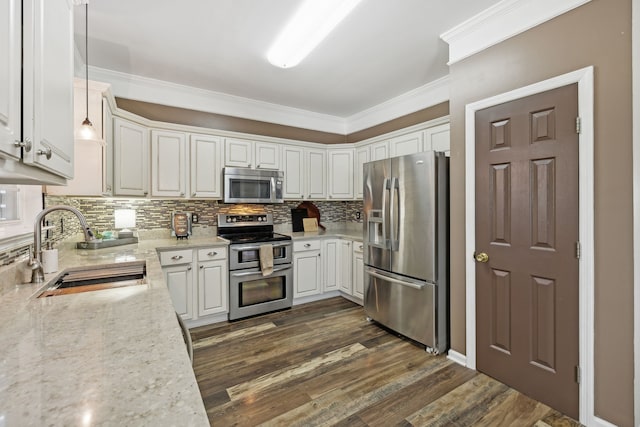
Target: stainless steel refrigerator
[406,250]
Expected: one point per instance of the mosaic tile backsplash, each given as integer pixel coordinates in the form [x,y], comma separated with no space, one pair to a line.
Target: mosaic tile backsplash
[156,214]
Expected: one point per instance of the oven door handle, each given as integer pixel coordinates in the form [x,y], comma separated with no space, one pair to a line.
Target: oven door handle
[258,272]
[252,247]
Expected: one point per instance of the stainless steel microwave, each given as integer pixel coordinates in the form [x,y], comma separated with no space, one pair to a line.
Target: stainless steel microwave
[243,185]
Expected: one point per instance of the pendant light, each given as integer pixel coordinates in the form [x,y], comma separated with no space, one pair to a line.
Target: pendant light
[86,131]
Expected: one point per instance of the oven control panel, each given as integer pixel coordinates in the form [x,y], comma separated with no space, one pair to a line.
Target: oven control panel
[235,220]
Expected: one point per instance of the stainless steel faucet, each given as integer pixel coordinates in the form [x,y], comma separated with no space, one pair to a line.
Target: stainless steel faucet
[37,274]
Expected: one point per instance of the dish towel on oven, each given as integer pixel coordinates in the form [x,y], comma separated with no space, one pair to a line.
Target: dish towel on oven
[266,259]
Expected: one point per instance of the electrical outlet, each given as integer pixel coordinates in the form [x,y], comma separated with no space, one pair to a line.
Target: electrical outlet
[358,215]
[195,218]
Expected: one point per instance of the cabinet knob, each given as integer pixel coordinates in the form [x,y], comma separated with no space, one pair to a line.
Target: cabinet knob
[258,166]
[46,153]
[145,193]
[360,247]
[307,245]
[193,194]
[176,257]
[201,267]
[189,268]
[212,253]
[182,194]
[26,144]
[249,165]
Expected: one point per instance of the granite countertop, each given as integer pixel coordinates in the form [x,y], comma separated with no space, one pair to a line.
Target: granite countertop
[110,357]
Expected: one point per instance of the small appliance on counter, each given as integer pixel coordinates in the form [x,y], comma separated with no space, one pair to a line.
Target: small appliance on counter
[181,225]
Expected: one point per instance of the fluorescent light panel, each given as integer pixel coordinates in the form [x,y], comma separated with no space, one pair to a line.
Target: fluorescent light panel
[313,21]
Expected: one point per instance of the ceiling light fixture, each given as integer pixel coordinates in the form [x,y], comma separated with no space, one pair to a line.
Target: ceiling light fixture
[312,22]
[86,131]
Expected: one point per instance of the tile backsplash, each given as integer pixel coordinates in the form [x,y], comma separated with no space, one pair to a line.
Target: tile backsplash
[156,214]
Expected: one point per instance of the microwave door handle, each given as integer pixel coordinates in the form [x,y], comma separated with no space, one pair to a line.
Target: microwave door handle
[273,188]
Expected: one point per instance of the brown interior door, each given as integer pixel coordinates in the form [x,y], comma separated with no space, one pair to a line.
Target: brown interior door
[527,225]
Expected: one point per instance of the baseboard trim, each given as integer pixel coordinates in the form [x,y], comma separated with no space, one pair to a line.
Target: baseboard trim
[459,358]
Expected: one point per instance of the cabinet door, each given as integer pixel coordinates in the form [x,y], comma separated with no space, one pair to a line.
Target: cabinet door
[340,174]
[437,138]
[316,174]
[380,150]
[131,158]
[293,166]
[179,280]
[10,77]
[168,163]
[307,274]
[48,84]
[267,155]
[238,153]
[212,287]
[206,166]
[358,271]
[331,264]
[107,160]
[410,143]
[362,157]
[345,267]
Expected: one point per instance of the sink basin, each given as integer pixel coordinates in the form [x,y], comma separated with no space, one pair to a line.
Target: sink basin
[96,277]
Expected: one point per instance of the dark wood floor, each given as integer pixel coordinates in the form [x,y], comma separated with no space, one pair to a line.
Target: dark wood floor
[323,364]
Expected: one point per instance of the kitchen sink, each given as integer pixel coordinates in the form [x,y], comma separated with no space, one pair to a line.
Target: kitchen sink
[96,277]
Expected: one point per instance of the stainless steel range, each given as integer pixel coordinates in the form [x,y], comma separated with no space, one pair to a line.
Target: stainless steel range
[250,291]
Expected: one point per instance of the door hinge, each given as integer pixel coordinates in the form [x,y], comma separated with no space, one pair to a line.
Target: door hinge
[578,374]
[578,250]
[578,125]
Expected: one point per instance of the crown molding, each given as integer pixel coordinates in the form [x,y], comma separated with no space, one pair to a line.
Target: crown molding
[166,93]
[177,95]
[417,99]
[501,22]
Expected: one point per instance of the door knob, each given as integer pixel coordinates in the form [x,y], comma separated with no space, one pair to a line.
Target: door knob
[481,257]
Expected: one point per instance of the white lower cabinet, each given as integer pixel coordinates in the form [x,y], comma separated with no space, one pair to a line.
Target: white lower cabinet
[179,279]
[307,271]
[213,289]
[358,270]
[331,264]
[197,296]
[345,284]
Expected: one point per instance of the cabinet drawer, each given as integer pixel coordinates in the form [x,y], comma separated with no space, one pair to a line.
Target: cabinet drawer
[208,254]
[358,247]
[306,245]
[183,256]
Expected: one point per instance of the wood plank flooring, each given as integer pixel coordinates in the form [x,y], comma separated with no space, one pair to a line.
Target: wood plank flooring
[323,364]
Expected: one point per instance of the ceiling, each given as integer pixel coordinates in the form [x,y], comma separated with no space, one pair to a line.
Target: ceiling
[384,49]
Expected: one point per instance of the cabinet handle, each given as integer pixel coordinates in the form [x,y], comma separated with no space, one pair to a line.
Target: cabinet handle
[189,268]
[307,245]
[361,247]
[193,194]
[212,253]
[46,153]
[309,196]
[182,194]
[249,165]
[177,257]
[201,267]
[258,166]
[145,193]
[26,144]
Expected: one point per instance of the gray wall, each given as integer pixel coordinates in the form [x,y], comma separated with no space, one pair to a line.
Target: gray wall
[598,34]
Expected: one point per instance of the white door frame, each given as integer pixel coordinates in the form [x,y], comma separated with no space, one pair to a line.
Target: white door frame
[584,79]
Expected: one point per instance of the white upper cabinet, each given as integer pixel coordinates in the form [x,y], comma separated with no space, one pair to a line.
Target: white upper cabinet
[341,168]
[107,160]
[48,84]
[437,138]
[379,151]
[362,157]
[36,91]
[10,78]
[242,153]
[130,158]
[168,163]
[206,166]
[410,143]
[304,173]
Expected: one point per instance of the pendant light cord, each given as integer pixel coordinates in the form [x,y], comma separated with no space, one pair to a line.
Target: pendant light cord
[86,54]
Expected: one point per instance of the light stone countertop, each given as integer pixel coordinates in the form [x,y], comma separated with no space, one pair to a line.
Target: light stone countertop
[112,357]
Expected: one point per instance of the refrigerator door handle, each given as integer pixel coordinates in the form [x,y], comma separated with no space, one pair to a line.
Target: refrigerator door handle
[386,186]
[392,280]
[395,219]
